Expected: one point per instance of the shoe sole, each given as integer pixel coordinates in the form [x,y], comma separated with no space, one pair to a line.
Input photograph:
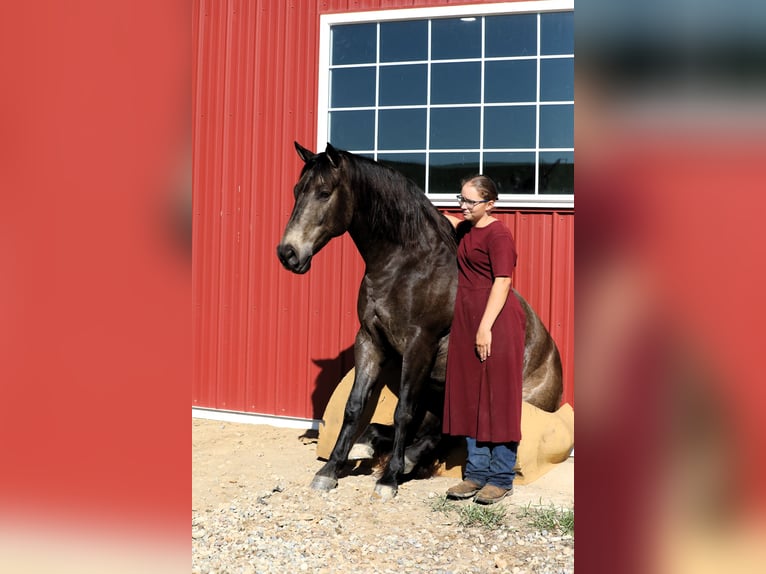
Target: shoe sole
[462,496]
[478,500]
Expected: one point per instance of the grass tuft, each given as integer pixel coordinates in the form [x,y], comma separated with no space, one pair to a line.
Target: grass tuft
[484,516]
[543,518]
[470,514]
[549,518]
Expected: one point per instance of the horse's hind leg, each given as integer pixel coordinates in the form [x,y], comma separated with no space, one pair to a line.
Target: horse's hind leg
[428,437]
[376,438]
[429,434]
[415,369]
[368,359]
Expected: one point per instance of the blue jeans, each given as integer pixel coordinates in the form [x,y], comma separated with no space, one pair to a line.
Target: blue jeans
[491,463]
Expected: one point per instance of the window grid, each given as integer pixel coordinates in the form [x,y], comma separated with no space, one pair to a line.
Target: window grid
[563,200]
[428,109]
[537,111]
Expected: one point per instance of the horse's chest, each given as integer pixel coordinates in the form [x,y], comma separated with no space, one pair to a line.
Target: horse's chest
[381,309]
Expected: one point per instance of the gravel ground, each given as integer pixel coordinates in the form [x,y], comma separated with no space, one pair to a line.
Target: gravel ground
[254,512]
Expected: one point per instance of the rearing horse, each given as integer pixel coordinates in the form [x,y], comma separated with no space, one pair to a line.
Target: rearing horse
[405,302]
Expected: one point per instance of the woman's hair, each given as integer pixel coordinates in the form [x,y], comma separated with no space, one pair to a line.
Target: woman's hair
[484,185]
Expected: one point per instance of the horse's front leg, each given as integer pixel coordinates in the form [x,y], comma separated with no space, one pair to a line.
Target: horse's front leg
[416,365]
[368,358]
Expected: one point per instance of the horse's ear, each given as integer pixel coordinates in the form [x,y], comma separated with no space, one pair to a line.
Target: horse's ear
[332,155]
[304,154]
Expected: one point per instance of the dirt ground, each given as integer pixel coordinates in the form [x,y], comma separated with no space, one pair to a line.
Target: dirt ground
[229,458]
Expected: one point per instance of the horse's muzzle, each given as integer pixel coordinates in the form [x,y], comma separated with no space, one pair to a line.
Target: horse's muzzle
[291,260]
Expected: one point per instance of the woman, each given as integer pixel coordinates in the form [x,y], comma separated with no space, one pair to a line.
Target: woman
[486,349]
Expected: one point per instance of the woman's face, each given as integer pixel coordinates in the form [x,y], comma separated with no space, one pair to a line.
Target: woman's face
[475,206]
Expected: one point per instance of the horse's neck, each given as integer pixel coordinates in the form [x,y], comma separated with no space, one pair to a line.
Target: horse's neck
[372,247]
[377,244]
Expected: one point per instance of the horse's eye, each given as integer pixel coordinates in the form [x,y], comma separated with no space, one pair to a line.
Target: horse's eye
[324,194]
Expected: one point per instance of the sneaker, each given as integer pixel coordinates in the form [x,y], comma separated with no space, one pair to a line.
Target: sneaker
[491,494]
[465,489]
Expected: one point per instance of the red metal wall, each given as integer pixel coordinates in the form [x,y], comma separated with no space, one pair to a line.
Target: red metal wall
[267,341]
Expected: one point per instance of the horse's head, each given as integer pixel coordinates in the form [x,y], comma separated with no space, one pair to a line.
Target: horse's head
[323,208]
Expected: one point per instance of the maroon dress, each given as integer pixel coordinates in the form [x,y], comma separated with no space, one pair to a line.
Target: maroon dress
[483,400]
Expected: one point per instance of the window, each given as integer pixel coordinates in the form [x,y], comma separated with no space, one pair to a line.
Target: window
[442,93]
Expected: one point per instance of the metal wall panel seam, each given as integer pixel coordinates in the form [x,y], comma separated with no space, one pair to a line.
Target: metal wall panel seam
[223,284]
[265,312]
[213,220]
[249,18]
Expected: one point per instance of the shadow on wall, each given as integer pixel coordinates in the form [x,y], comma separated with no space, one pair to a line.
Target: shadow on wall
[330,374]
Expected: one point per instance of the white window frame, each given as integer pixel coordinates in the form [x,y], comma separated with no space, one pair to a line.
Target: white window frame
[326,21]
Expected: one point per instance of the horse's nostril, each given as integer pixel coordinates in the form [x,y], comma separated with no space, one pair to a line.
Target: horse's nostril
[287,254]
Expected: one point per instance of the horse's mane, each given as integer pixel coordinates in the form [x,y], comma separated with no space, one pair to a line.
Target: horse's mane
[397,208]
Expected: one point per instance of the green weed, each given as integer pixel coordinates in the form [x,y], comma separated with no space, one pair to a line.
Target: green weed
[549,518]
[470,514]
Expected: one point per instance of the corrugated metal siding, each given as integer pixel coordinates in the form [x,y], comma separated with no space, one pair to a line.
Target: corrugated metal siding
[267,341]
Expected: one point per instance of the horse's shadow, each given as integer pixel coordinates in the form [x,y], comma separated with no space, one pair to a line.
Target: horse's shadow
[330,373]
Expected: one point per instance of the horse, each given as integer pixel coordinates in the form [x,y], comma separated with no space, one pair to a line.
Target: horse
[405,303]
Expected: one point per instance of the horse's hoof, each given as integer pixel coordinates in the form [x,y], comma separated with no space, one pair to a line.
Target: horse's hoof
[361,451]
[324,483]
[383,492]
[408,465]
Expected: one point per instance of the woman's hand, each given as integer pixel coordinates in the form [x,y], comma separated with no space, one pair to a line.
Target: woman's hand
[483,343]
[501,286]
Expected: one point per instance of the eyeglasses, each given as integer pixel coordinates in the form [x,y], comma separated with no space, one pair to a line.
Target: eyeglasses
[471,203]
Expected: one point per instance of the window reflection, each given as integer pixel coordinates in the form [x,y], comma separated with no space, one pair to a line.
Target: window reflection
[352,130]
[403,85]
[557,172]
[513,172]
[557,126]
[412,165]
[455,128]
[509,127]
[402,129]
[447,169]
[352,87]
[557,79]
[353,44]
[510,81]
[557,33]
[514,35]
[456,83]
[455,38]
[404,41]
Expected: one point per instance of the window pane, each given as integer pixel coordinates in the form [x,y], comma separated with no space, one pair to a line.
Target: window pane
[557,172]
[512,172]
[557,33]
[557,126]
[509,127]
[353,44]
[412,165]
[455,39]
[454,128]
[403,41]
[514,81]
[511,35]
[448,169]
[402,129]
[403,85]
[352,87]
[557,79]
[458,83]
[352,130]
